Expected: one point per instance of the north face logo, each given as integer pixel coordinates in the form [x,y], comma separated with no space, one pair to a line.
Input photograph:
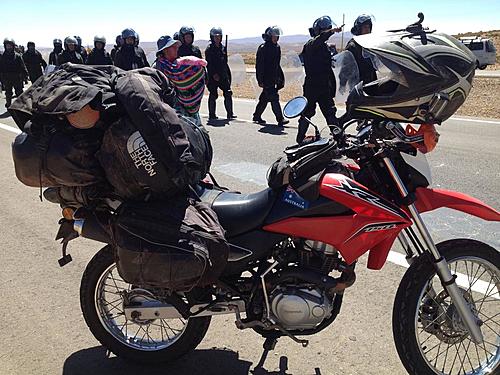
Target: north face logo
[141,154]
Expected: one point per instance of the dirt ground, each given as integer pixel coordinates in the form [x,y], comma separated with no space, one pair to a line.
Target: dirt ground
[483,100]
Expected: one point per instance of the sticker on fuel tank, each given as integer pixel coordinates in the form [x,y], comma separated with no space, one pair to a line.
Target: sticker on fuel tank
[290,196]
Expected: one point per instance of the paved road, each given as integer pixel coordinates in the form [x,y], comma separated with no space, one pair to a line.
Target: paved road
[43,330]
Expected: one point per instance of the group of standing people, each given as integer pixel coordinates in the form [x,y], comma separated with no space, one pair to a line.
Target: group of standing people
[183,64]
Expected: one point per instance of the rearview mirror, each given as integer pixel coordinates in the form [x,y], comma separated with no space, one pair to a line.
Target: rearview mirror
[295,107]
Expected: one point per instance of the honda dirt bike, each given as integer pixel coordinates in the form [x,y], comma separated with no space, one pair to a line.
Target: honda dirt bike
[291,261]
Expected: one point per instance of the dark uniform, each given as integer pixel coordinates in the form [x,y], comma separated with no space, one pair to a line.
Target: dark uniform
[319,85]
[271,78]
[12,72]
[218,67]
[116,47]
[34,63]
[69,56]
[189,50]
[367,73]
[81,50]
[99,57]
[54,54]
[130,57]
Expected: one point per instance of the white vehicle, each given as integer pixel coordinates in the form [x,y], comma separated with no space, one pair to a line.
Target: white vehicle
[482,48]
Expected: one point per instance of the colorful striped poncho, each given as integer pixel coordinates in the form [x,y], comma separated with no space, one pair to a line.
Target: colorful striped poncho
[188,77]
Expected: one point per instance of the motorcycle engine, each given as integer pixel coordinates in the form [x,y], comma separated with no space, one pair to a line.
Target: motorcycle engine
[298,307]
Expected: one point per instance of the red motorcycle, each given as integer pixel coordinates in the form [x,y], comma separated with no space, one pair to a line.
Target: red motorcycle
[294,247]
[291,261]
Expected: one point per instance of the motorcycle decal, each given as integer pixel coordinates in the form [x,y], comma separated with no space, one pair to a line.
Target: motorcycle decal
[346,186]
[291,197]
[376,227]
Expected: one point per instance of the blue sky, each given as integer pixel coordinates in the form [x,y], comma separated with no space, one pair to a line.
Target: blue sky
[42,21]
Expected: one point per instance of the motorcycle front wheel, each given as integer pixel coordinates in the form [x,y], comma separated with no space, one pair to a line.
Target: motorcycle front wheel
[145,341]
[428,333]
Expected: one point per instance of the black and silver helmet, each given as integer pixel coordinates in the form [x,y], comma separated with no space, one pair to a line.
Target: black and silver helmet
[420,80]
[272,31]
[215,31]
[363,19]
[56,42]
[70,40]
[321,24]
[127,33]
[9,41]
[184,31]
[100,39]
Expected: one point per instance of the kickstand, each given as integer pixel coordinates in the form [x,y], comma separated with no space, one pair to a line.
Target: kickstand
[269,345]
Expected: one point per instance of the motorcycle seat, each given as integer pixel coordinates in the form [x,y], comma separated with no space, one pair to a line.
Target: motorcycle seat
[241,213]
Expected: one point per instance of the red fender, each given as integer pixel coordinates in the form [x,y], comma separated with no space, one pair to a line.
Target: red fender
[430,199]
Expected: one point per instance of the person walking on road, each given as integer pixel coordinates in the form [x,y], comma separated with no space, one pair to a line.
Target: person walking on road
[12,71]
[219,75]
[34,62]
[319,85]
[270,76]
[55,52]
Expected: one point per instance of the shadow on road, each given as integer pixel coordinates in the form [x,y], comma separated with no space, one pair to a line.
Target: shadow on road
[218,123]
[273,129]
[5,114]
[199,362]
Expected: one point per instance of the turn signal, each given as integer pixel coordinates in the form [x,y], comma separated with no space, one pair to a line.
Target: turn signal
[430,134]
[67,213]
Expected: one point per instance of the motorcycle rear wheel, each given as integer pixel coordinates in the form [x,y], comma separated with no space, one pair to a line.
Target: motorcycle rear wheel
[429,335]
[142,341]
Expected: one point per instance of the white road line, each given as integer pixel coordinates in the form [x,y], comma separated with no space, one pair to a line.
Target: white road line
[474,120]
[9,128]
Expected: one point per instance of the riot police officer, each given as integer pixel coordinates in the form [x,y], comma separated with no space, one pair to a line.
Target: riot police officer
[362,25]
[130,56]
[34,62]
[99,56]
[118,44]
[12,70]
[70,53]
[219,75]
[55,52]
[80,49]
[319,85]
[186,37]
[270,76]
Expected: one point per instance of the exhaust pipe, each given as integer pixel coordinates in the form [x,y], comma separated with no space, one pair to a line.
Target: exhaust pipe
[95,227]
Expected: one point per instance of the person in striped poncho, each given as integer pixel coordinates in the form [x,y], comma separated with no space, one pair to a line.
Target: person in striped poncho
[187,75]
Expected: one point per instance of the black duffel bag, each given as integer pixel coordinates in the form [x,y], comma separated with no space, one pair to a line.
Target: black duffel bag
[176,245]
[59,157]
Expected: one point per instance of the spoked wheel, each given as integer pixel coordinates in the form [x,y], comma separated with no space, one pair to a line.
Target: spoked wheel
[429,335]
[156,340]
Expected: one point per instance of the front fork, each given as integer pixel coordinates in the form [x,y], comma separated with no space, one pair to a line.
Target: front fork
[442,269]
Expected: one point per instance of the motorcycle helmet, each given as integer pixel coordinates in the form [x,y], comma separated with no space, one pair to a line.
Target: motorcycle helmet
[100,39]
[363,19]
[176,36]
[119,40]
[70,40]
[215,31]
[321,24]
[57,42]
[184,31]
[419,79]
[9,41]
[79,41]
[272,31]
[127,33]
[136,39]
